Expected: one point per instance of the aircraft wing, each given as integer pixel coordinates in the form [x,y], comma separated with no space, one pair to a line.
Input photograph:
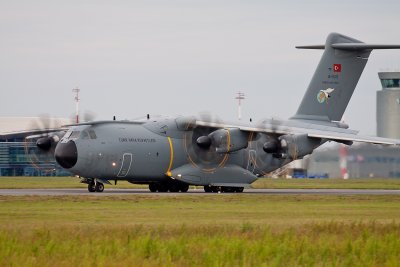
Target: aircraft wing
[312,130]
[29,133]
[355,138]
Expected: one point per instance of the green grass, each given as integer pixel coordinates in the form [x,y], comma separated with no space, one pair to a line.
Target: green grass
[73,182]
[338,245]
[211,230]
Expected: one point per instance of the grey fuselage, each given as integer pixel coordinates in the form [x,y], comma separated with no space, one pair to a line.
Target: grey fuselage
[147,152]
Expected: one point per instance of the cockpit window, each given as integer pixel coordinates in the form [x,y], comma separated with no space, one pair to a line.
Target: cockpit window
[75,134]
[84,135]
[92,134]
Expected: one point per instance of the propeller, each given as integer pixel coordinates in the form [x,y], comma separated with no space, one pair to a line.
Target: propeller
[280,148]
[266,150]
[39,147]
[201,146]
[89,116]
[276,143]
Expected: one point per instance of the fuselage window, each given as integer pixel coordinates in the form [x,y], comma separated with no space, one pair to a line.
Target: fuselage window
[84,135]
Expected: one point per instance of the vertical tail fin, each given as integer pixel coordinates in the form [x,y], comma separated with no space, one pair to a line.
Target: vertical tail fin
[335,78]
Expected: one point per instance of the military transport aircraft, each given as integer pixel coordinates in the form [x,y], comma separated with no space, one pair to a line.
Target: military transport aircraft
[171,154]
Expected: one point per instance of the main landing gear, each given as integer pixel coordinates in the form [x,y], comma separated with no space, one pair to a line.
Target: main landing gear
[95,187]
[225,189]
[171,187]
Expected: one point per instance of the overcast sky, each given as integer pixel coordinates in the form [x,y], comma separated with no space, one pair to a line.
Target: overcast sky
[174,57]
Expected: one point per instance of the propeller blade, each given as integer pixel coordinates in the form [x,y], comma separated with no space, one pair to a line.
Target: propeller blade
[88,116]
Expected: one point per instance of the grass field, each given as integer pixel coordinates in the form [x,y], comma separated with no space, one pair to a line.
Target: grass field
[211,230]
[73,182]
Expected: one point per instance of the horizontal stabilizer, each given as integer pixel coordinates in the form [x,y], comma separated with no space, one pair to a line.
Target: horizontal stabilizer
[362,46]
[311,47]
[351,46]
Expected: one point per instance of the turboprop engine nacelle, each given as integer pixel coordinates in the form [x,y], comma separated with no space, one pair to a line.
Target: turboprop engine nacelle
[229,140]
[297,146]
[225,140]
[292,146]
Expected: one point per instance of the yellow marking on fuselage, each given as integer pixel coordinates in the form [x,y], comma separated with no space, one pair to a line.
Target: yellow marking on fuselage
[171,156]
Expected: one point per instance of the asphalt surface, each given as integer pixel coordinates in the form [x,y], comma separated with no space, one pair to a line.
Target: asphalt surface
[112,192]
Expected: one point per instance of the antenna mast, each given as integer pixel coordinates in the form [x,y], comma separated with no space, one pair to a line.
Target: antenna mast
[240,97]
[76,91]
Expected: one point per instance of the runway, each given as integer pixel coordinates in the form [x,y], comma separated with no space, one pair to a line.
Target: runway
[113,192]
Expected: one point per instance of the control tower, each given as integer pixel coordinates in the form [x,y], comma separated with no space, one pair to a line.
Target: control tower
[388,105]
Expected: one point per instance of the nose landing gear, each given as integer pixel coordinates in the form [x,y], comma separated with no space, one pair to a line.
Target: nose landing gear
[95,187]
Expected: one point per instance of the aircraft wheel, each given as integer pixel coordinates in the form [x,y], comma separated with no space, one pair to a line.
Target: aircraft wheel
[99,187]
[162,188]
[216,189]
[184,188]
[228,189]
[239,189]
[173,188]
[91,187]
[153,187]
[207,189]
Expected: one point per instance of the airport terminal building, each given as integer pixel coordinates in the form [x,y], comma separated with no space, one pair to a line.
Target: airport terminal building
[20,157]
[358,161]
[15,162]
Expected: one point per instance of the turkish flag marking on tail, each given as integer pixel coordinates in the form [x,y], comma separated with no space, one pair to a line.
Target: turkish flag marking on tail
[337,67]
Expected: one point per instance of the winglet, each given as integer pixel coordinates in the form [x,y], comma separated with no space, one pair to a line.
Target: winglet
[311,47]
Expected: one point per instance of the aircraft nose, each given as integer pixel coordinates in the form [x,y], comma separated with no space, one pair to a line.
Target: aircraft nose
[66,154]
